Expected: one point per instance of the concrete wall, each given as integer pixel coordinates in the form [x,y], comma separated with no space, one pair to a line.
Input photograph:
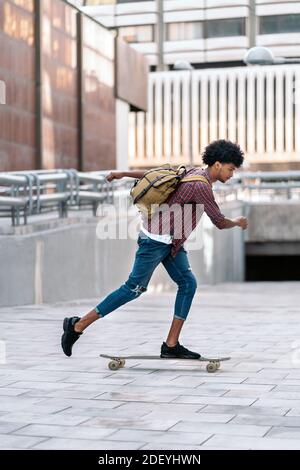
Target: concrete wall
[66,261]
[273,221]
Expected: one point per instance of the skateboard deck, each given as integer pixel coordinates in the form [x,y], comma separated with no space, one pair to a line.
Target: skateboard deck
[117,362]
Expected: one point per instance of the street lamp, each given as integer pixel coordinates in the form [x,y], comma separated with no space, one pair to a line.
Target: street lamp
[263,56]
[184,65]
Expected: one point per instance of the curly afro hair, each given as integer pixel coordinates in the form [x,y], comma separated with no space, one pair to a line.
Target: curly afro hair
[223,151]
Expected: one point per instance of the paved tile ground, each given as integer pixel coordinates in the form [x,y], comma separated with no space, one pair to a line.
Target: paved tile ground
[49,401]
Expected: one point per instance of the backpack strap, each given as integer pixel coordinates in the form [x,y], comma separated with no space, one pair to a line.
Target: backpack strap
[195,178]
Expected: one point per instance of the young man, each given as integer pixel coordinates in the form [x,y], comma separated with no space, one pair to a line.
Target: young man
[156,245]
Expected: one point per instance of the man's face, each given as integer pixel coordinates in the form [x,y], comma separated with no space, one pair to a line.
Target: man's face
[226,171]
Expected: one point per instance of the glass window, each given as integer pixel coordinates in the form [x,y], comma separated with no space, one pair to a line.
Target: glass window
[279,24]
[184,31]
[137,33]
[226,27]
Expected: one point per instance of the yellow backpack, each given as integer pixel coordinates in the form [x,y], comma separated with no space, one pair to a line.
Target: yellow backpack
[157,184]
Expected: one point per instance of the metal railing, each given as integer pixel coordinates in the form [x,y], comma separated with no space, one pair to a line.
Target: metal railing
[271,186]
[24,194]
[189,109]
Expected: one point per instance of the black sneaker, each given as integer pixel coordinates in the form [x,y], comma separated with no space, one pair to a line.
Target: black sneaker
[177,351]
[70,336]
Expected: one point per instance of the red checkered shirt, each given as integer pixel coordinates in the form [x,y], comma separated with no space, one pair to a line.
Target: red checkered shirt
[182,211]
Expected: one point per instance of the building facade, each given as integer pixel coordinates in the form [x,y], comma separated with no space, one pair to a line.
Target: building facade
[203,32]
[65,105]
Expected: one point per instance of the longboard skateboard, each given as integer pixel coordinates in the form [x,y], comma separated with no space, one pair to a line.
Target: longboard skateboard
[117,362]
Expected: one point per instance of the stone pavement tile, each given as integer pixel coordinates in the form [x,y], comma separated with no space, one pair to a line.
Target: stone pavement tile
[7,382]
[12,392]
[287,395]
[214,400]
[161,391]
[288,386]
[244,410]
[66,368]
[17,404]
[284,432]
[14,441]
[67,432]
[293,375]
[146,408]
[45,408]
[221,428]
[35,418]
[158,380]
[207,392]
[272,373]
[70,393]
[193,417]
[156,446]
[277,402]
[6,428]
[149,397]
[244,386]
[258,380]
[64,404]
[169,437]
[93,378]
[115,379]
[35,376]
[249,366]
[42,385]
[268,420]
[245,393]
[225,378]
[187,381]
[255,443]
[97,412]
[158,424]
[84,444]
[293,412]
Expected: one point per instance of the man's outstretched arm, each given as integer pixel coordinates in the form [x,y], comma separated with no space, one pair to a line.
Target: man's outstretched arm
[230,223]
[116,175]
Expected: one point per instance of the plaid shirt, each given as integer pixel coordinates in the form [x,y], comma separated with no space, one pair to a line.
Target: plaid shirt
[182,211]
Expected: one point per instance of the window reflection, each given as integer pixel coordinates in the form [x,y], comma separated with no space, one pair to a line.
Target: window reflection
[144,33]
[279,24]
[17,24]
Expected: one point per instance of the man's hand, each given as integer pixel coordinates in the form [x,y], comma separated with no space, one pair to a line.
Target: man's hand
[114,175]
[241,222]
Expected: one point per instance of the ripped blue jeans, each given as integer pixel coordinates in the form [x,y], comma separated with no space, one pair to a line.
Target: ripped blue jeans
[148,256]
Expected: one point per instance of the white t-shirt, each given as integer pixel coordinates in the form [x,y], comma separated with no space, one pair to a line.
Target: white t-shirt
[166,238]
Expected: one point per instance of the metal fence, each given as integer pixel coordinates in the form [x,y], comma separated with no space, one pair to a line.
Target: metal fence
[24,194]
[30,193]
[258,107]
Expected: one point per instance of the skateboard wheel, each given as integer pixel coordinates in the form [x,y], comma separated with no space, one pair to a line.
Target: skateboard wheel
[211,367]
[218,364]
[113,365]
[122,363]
